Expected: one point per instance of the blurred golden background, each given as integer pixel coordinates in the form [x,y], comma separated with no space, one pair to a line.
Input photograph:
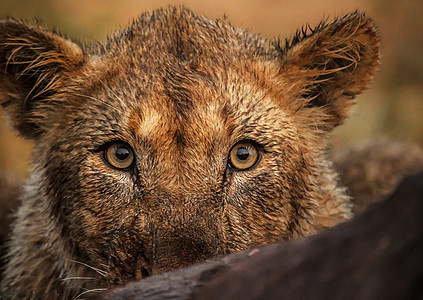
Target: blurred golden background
[392,107]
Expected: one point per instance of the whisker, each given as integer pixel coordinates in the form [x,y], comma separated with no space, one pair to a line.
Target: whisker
[90,291]
[79,278]
[99,271]
[98,100]
[106,266]
[111,91]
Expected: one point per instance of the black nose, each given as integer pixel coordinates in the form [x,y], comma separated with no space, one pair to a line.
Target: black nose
[182,248]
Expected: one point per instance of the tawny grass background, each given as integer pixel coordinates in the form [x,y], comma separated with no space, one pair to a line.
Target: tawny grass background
[392,107]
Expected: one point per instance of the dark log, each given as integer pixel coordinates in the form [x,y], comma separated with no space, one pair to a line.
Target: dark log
[377,255]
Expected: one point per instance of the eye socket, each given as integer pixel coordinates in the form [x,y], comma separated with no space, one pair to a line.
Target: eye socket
[243,156]
[119,156]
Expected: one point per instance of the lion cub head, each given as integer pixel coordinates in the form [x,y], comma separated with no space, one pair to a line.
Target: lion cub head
[177,140]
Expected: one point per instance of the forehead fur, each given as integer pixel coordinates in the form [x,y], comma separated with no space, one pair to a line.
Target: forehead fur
[181,36]
[172,73]
[174,56]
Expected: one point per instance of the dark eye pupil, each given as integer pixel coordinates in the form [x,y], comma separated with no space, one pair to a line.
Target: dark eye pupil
[122,153]
[242,153]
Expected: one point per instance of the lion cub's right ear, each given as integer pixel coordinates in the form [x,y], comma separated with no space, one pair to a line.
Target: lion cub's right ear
[35,64]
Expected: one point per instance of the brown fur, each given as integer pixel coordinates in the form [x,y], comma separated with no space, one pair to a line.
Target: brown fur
[181,90]
[10,190]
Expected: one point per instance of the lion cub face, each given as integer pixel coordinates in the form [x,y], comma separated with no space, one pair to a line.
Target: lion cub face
[181,138]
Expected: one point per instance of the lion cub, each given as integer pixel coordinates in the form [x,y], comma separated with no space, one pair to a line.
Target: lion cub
[178,140]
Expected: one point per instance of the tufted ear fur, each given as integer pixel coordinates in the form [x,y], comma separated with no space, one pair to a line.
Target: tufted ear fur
[331,64]
[34,63]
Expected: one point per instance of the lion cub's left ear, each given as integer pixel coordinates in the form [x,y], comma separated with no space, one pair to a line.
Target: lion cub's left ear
[35,64]
[331,64]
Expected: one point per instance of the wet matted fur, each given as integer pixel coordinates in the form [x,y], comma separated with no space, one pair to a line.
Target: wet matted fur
[179,91]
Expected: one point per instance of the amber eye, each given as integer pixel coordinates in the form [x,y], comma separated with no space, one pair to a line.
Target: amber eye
[243,155]
[119,156]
